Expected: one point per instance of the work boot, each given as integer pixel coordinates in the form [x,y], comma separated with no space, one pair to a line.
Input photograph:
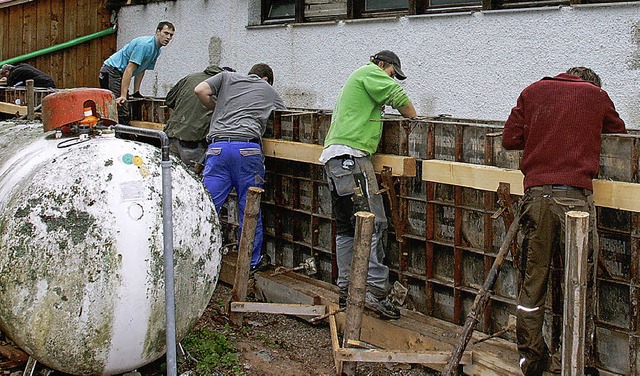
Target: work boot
[591,371]
[533,368]
[342,301]
[382,307]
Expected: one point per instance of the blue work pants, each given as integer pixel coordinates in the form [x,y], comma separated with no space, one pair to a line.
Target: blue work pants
[239,165]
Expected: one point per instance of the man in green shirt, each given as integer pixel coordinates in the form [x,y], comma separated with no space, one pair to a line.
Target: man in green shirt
[352,139]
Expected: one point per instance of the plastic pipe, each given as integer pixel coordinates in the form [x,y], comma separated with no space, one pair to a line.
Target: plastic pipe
[59,47]
[167,227]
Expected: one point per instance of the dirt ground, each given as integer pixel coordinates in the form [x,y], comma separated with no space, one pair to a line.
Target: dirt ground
[279,345]
[267,345]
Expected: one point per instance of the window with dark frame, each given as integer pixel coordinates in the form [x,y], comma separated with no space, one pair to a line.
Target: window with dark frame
[281,9]
[284,11]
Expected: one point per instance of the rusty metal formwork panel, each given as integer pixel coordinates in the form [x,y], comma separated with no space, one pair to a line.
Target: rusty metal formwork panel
[308,126]
[619,158]
[149,109]
[297,218]
[446,239]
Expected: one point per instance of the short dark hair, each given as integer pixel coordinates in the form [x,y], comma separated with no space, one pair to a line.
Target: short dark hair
[378,61]
[168,24]
[586,74]
[263,70]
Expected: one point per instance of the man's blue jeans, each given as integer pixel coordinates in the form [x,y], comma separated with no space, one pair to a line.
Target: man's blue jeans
[239,165]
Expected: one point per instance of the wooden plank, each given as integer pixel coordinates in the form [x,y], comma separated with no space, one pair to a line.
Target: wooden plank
[245,249]
[610,194]
[617,195]
[310,153]
[83,58]
[55,70]
[335,343]
[279,308]
[147,125]
[44,35]
[575,299]
[14,39]
[13,109]
[486,178]
[4,20]
[397,356]
[69,68]
[29,30]
[413,331]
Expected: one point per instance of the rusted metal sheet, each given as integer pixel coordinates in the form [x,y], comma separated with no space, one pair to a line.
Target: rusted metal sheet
[67,106]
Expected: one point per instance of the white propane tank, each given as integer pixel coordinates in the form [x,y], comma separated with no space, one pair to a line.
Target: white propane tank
[81,250]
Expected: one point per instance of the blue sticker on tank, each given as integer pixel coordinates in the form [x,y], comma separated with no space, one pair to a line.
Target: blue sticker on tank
[127,158]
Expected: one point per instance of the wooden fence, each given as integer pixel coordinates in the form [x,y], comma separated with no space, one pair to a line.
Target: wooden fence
[35,25]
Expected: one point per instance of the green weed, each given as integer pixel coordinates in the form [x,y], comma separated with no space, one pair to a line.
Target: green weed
[214,352]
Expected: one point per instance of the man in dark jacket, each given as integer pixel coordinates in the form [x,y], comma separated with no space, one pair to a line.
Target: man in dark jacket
[19,74]
[188,125]
[557,122]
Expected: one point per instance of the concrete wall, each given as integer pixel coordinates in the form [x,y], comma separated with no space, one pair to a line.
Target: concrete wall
[465,64]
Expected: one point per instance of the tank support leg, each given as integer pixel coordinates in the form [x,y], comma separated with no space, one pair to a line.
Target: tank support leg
[30,367]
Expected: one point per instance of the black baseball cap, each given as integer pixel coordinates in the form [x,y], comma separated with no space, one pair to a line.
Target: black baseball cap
[390,57]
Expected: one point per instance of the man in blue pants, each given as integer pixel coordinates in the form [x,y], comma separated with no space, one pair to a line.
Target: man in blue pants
[241,108]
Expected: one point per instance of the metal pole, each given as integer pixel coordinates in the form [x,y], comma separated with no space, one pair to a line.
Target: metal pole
[167,228]
[575,284]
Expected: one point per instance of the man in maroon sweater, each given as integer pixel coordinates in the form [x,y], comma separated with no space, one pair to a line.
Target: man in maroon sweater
[558,122]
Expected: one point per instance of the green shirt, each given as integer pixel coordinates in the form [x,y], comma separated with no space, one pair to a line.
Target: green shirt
[356,117]
[190,118]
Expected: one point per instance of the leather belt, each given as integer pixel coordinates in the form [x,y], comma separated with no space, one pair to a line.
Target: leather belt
[558,191]
[236,139]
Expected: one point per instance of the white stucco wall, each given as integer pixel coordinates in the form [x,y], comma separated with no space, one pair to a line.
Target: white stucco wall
[470,65]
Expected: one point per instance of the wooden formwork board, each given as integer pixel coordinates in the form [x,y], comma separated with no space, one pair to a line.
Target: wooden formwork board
[309,153]
[12,109]
[606,193]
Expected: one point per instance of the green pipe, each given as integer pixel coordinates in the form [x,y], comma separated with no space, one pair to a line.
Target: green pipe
[60,46]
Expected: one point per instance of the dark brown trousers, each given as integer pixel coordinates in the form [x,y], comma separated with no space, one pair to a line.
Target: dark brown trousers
[542,222]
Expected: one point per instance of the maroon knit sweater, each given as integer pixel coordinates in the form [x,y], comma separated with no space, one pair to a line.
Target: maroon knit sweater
[558,122]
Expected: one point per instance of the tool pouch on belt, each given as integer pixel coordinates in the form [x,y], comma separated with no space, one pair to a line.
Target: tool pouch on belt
[346,179]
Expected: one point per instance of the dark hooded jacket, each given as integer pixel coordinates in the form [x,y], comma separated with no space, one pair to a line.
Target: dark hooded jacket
[190,118]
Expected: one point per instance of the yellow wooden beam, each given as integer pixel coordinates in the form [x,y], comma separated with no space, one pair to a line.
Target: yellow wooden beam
[10,108]
[310,153]
[610,194]
[147,125]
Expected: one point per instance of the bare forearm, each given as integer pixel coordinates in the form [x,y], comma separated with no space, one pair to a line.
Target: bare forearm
[137,80]
[408,111]
[203,92]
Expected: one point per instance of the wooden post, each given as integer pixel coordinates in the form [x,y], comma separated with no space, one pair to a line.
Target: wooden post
[245,249]
[31,101]
[358,281]
[575,284]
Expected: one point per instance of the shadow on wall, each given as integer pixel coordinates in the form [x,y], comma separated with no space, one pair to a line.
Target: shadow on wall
[215,51]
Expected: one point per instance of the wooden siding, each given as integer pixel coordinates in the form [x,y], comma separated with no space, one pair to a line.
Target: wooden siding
[39,24]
